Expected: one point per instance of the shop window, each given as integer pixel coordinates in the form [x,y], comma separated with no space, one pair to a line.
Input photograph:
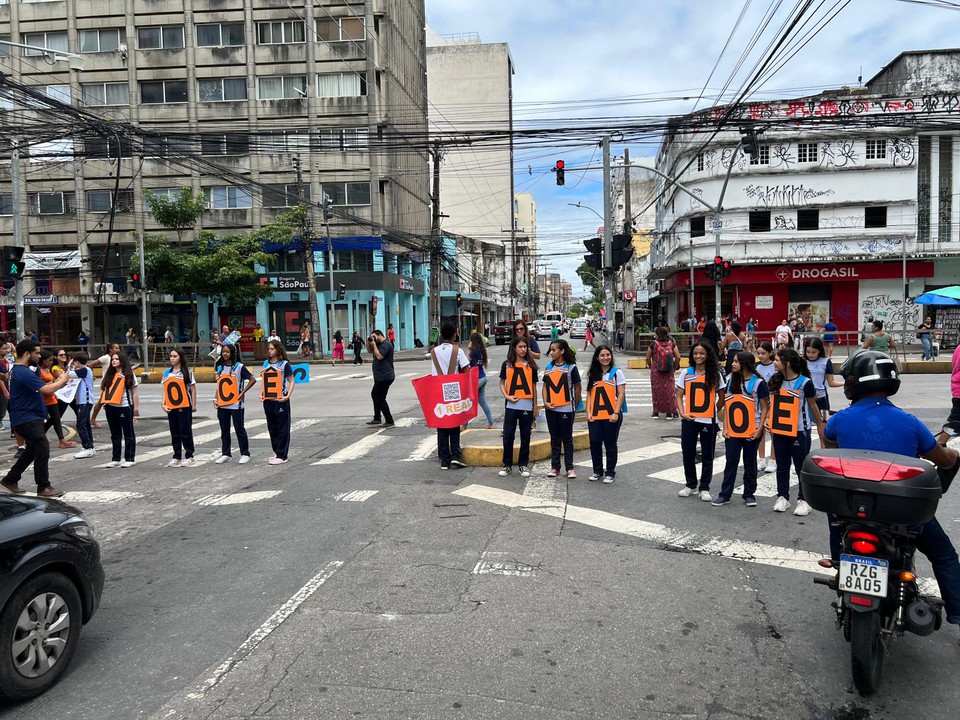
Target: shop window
[759,221]
[698,226]
[875,217]
[808,219]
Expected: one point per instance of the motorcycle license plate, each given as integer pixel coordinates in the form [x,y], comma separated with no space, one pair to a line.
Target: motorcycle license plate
[863,575]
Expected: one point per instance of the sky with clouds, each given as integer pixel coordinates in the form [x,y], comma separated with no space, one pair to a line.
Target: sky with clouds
[654,57]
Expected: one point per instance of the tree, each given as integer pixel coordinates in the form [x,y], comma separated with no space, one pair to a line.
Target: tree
[179,213]
[592,281]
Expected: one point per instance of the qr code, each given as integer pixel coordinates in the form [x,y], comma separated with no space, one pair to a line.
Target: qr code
[451,392]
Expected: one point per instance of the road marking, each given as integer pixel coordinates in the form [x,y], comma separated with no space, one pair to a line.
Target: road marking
[645,453]
[546,488]
[237,498]
[356,450]
[766,483]
[104,447]
[357,375]
[355,495]
[295,425]
[424,450]
[409,374]
[487,565]
[101,496]
[324,377]
[264,631]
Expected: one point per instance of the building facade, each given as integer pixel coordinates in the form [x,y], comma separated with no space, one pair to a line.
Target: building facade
[258,106]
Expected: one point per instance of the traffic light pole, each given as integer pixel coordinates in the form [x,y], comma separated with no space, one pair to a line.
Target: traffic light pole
[16,200]
[143,306]
[607,235]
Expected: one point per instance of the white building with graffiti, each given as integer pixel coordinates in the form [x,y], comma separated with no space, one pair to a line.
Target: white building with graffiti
[846,209]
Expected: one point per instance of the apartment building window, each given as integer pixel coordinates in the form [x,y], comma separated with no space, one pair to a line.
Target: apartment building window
[222,89]
[875,217]
[54,40]
[102,40]
[105,94]
[60,93]
[282,87]
[808,219]
[876,149]
[160,92]
[100,201]
[228,197]
[99,147]
[220,35]
[759,221]
[284,141]
[5,49]
[340,29]
[288,262]
[52,203]
[167,146]
[343,139]
[698,226]
[762,157]
[6,203]
[160,37]
[348,193]
[6,102]
[341,85]
[51,150]
[226,144]
[700,164]
[167,193]
[806,152]
[275,196]
[358,260]
[281,33]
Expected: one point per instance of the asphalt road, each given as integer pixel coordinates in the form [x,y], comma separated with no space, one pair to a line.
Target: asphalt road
[374,585]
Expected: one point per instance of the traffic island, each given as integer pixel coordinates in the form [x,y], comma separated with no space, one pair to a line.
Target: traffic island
[484,448]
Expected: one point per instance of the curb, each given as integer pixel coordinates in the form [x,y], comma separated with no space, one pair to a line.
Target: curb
[487,447]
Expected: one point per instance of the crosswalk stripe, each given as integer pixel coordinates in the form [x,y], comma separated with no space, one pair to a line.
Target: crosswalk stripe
[101,496]
[355,495]
[324,377]
[356,450]
[645,453]
[766,483]
[295,425]
[237,498]
[424,449]
[140,439]
[409,374]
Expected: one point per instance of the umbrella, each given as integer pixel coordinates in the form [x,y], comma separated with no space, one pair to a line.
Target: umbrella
[943,296]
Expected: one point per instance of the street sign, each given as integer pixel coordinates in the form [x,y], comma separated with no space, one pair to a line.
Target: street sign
[716,223]
[629,295]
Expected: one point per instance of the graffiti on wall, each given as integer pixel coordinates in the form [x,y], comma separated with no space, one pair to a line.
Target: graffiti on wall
[945,104]
[790,194]
[891,310]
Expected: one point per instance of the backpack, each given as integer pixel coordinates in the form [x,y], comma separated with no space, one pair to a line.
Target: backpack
[663,358]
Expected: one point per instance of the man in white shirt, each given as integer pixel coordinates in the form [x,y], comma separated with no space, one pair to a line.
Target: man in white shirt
[783,333]
[448,439]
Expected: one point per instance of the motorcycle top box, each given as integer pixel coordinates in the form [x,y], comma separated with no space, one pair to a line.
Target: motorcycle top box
[871,485]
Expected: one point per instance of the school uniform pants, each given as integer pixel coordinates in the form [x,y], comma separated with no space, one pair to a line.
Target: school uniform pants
[122,436]
[53,418]
[511,420]
[692,432]
[181,433]
[560,425]
[448,444]
[789,449]
[236,417]
[84,430]
[734,447]
[37,452]
[603,437]
[379,396]
[278,425]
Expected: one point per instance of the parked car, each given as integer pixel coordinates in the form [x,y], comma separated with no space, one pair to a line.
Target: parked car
[51,579]
[502,332]
[578,329]
[541,329]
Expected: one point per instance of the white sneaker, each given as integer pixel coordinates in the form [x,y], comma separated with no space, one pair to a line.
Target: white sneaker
[524,472]
[128,463]
[188,462]
[89,452]
[173,463]
[705,496]
[802,508]
[244,459]
[222,459]
[781,505]
[770,466]
[113,463]
[687,491]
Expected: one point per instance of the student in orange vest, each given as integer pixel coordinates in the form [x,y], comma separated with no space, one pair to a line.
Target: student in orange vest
[765,369]
[275,391]
[700,397]
[793,401]
[179,402]
[745,411]
[561,395]
[606,396]
[231,374]
[120,399]
[518,383]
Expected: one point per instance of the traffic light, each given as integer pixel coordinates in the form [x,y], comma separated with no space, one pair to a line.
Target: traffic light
[622,250]
[749,144]
[13,263]
[559,170]
[726,268]
[135,282]
[459,300]
[686,283]
[711,271]
[594,256]
[341,291]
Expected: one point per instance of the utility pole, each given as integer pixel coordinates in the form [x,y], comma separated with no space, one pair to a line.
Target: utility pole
[143,301]
[607,236]
[437,156]
[629,337]
[17,200]
[306,240]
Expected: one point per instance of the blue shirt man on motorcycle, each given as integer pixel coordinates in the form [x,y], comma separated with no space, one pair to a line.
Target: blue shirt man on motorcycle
[872,422]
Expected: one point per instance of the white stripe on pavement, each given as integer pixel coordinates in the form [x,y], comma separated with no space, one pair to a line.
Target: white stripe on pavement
[645,453]
[766,483]
[356,450]
[355,495]
[424,449]
[409,374]
[102,496]
[105,447]
[237,498]
[295,425]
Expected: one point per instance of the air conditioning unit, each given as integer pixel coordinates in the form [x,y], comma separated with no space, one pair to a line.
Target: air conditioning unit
[208,206]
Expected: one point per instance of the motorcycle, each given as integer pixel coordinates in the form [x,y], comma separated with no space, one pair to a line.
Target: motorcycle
[876,500]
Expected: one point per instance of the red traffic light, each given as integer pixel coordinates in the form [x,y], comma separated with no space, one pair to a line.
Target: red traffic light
[718,260]
[686,282]
[726,264]
[134,276]
[560,164]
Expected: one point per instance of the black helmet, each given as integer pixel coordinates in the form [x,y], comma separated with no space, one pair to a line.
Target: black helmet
[869,371]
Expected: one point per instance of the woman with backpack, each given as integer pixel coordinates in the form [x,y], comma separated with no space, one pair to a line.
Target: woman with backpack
[663,359]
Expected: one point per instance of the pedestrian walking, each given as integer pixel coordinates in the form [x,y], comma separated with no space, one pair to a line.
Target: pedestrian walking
[925,336]
[561,397]
[733,342]
[765,369]
[700,399]
[518,383]
[821,373]
[120,398]
[234,380]
[606,403]
[588,337]
[447,359]
[746,403]
[60,360]
[338,348]
[276,387]
[793,401]
[751,329]
[829,336]
[383,377]
[357,344]
[477,355]
[306,340]
[179,401]
[45,370]
[711,333]
[28,412]
[6,349]
[663,359]
[391,335]
[83,403]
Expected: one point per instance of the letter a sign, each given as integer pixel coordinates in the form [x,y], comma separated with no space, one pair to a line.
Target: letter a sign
[520,382]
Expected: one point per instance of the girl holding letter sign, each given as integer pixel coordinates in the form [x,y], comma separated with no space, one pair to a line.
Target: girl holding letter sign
[606,401]
[275,390]
[700,398]
[561,395]
[120,398]
[745,411]
[231,374]
[518,383]
[179,401]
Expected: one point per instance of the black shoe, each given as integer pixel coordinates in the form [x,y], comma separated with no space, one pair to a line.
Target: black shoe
[18,453]
[388,425]
[371,423]
[457,463]
[444,466]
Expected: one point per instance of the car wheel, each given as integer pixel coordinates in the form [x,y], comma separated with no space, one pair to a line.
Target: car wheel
[39,632]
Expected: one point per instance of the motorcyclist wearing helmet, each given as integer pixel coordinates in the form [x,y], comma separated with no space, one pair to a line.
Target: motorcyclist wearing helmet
[872,422]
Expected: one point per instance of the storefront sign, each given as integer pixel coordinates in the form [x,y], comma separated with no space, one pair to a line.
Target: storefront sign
[406,285]
[285,282]
[821,273]
[40,300]
[827,272]
[763,302]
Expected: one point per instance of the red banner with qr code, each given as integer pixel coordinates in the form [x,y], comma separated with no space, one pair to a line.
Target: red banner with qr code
[448,401]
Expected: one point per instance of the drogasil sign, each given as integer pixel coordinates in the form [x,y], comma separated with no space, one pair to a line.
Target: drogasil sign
[818,273]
